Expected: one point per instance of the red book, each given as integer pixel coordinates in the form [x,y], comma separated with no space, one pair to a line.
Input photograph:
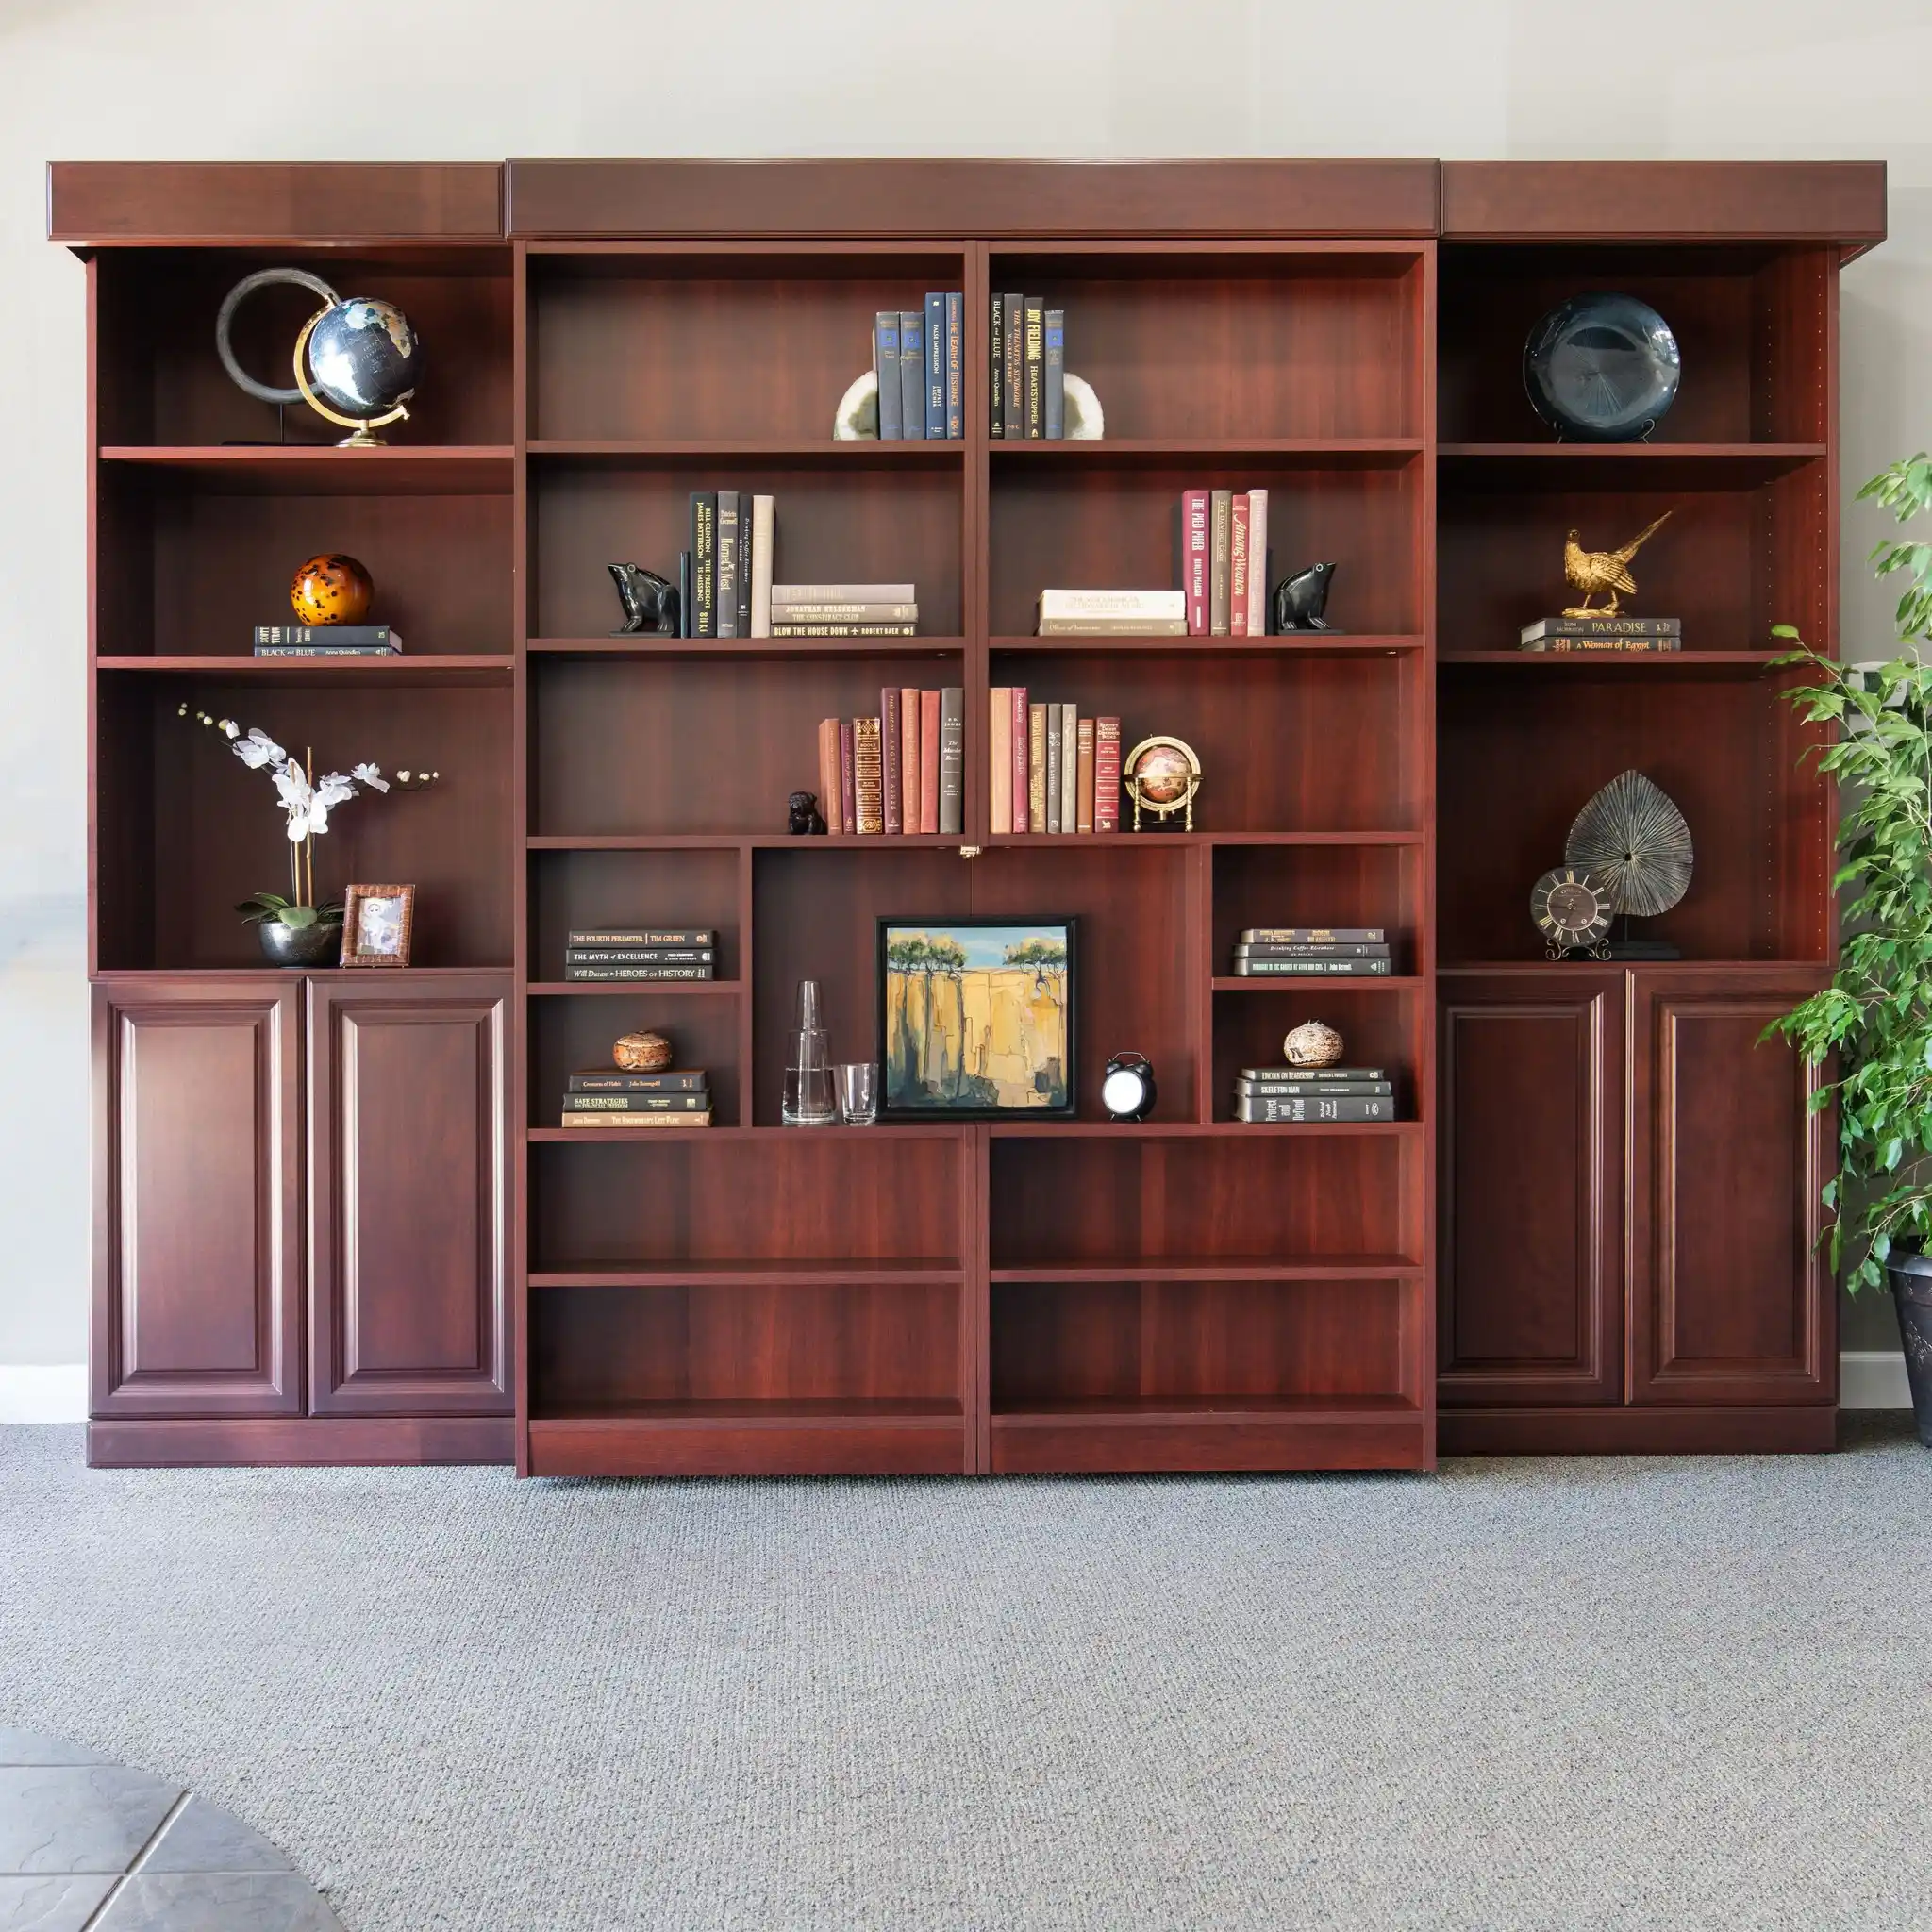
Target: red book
[1195,560]
[1022,725]
[828,775]
[1238,567]
[1106,775]
[890,744]
[909,761]
[929,763]
[848,778]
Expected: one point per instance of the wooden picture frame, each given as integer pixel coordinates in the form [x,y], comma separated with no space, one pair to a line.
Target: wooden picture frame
[377,923]
[927,1073]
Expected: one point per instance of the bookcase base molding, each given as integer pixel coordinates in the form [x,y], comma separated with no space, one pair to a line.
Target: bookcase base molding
[339,1218]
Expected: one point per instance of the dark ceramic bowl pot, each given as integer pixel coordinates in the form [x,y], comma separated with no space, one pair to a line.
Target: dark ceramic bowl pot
[320,944]
[1911,1292]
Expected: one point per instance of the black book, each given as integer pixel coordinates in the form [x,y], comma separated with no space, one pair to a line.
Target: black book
[996,385]
[614,973]
[614,1081]
[1261,1077]
[1343,950]
[744,503]
[1305,1090]
[637,955]
[1015,380]
[640,936]
[636,1102]
[1034,400]
[704,563]
[378,636]
[1295,1107]
[684,611]
[1289,968]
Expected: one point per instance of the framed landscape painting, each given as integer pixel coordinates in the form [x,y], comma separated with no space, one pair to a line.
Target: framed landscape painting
[975,1017]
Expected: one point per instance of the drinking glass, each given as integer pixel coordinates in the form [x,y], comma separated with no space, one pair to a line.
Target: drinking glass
[858,1092]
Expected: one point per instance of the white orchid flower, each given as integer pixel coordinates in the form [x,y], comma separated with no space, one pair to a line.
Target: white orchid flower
[371,774]
[258,749]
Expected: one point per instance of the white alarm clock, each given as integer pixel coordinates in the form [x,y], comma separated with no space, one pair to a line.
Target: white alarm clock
[1126,1088]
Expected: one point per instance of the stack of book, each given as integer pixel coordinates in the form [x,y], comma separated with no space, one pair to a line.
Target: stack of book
[725,579]
[898,774]
[1112,614]
[640,952]
[1275,1096]
[1050,769]
[607,1097]
[1603,634]
[1288,952]
[326,641]
[919,355]
[1224,562]
[843,610]
[1026,379]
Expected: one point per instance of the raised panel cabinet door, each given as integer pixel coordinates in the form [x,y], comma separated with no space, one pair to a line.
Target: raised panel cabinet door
[408,1188]
[1530,1203]
[1730,1300]
[197,1239]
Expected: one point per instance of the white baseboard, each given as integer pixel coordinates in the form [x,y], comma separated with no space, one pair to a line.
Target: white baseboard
[1872,1378]
[55,1392]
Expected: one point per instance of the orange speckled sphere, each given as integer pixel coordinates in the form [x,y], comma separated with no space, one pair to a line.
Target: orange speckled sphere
[332,589]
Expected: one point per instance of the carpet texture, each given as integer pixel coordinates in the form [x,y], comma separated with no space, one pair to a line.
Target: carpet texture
[1632,1693]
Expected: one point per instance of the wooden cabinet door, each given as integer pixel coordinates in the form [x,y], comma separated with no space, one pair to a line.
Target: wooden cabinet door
[1729,1299]
[408,1187]
[197,1239]
[1530,1205]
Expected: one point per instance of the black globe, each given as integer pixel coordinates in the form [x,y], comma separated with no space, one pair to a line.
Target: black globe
[364,357]
[1603,368]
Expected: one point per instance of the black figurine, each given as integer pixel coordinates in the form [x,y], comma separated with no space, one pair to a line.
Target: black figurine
[803,819]
[1299,600]
[649,603]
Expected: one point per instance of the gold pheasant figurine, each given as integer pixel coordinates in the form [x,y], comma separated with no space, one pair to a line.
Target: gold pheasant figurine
[1591,570]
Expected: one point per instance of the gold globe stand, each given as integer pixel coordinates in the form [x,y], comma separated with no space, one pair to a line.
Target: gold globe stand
[362,439]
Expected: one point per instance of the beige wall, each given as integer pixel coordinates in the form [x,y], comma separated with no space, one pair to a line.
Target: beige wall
[412,79]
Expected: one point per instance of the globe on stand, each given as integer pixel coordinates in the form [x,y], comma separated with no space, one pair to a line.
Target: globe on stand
[1164,774]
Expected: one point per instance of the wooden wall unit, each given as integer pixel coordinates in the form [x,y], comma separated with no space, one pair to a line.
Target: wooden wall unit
[409,1261]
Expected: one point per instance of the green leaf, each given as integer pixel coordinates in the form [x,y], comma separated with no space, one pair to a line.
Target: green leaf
[1881,1247]
[298,918]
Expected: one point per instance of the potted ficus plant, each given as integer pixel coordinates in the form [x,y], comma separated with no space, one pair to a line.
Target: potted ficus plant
[1876,1017]
[294,931]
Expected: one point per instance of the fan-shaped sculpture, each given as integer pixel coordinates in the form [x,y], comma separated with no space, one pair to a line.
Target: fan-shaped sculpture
[1635,838]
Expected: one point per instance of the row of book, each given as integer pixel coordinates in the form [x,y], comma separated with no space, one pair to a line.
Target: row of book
[640,952]
[1290,951]
[919,355]
[1026,381]
[605,1097]
[1603,634]
[1050,769]
[898,774]
[725,589]
[1224,562]
[326,641]
[1278,1095]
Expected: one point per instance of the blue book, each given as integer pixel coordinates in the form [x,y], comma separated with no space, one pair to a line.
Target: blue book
[1055,331]
[955,365]
[912,373]
[935,368]
[884,364]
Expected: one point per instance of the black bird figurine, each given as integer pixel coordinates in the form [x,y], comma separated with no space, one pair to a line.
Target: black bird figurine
[649,603]
[1299,600]
[803,819]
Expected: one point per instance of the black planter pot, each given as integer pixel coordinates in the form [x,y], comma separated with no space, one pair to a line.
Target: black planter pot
[320,944]
[1911,1290]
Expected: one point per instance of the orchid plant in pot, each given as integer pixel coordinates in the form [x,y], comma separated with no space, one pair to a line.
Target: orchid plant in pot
[294,931]
[1874,1020]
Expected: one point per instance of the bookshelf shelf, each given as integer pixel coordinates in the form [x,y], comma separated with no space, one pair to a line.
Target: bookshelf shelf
[286,469]
[966,1296]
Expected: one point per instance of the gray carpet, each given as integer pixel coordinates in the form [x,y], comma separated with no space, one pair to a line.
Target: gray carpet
[1554,1694]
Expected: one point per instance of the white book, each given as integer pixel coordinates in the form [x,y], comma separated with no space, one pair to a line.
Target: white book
[764,511]
[1150,604]
[1257,563]
[842,594]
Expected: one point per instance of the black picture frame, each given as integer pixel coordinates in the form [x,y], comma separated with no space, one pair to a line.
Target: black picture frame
[969,1099]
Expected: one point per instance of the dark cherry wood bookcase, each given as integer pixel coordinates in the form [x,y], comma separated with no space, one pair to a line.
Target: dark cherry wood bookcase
[335,1217]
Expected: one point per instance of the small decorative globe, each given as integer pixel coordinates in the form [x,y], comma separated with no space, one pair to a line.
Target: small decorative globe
[642,1053]
[1164,774]
[364,357]
[1312,1044]
[331,589]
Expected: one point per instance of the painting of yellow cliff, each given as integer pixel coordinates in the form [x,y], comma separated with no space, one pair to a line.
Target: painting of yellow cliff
[978,1017]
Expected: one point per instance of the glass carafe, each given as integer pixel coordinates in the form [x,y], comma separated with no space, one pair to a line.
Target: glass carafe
[809,1098]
